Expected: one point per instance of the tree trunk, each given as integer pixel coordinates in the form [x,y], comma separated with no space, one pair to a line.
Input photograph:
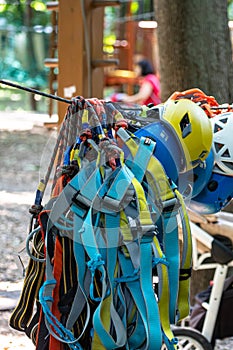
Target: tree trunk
[31,58]
[30,47]
[195,52]
[195,47]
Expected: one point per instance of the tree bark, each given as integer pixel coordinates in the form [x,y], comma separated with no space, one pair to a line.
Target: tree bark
[30,46]
[195,47]
[195,52]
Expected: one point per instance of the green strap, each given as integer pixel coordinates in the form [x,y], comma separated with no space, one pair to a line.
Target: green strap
[158,181]
[186,263]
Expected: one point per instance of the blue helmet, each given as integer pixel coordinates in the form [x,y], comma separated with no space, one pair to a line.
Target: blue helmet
[168,150]
[216,194]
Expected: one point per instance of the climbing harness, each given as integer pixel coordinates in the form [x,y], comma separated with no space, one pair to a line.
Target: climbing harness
[109,228]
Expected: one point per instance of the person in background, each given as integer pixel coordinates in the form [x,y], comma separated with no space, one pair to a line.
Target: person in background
[149,91]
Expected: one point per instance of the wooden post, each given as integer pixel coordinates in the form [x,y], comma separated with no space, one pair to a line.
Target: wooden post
[70,52]
[80,50]
[97,75]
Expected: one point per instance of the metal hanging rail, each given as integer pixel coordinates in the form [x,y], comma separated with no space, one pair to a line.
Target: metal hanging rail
[34,91]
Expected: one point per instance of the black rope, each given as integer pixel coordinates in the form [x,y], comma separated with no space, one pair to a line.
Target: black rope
[34,91]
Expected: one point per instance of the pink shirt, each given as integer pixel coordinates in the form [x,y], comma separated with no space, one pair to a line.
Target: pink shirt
[154,81]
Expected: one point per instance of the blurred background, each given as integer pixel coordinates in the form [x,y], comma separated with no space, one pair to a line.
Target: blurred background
[89,48]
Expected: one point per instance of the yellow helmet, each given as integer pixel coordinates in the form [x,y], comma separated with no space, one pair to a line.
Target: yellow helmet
[192,127]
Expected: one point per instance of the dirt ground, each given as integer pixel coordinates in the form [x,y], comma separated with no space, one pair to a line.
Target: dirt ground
[25,149]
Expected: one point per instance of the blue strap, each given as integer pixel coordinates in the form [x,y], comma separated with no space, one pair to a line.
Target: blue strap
[155,336]
[64,334]
[143,155]
[66,197]
[141,331]
[90,244]
[110,197]
[112,238]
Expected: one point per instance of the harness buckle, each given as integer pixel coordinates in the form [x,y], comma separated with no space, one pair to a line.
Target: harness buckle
[148,230]
[136,227]
[170,204]
[111,203]
[148,235]
[81,201]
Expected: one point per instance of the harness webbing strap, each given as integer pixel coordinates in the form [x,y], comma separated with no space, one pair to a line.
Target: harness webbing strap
[22,313]
[140,333]
[186,263]
[112,226]
[103,324]
[57,273]
[158,181]
[142,157]
[162,266]
[82,293]
[171,250]
[155,337]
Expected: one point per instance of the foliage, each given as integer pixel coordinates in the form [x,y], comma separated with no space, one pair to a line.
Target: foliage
[26,18]
[230,10]
[137,10]
[12,69]
[14,12]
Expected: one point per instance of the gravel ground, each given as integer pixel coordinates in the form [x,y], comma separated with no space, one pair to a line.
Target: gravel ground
[25,150]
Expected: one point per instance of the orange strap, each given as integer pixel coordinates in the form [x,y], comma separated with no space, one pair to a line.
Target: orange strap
[198,96]
[60,184]
[57,272]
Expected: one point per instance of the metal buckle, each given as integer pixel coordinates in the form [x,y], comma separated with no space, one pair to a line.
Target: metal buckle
[170,204]
[80,201]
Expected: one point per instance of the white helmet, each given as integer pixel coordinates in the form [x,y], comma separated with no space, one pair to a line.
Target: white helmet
[222,125]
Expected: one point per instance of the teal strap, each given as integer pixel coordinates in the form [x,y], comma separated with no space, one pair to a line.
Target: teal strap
[88,189]
[89,242]
[115,192]
[131,278]
[155,336]
[60,206]
[66,197]
[96,262]
[62,334]
[118,317]
[143,155]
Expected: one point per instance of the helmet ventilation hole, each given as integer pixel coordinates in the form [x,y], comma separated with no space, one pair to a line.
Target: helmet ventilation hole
[185,125]
[217,128]
[226,153]
[218,146]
